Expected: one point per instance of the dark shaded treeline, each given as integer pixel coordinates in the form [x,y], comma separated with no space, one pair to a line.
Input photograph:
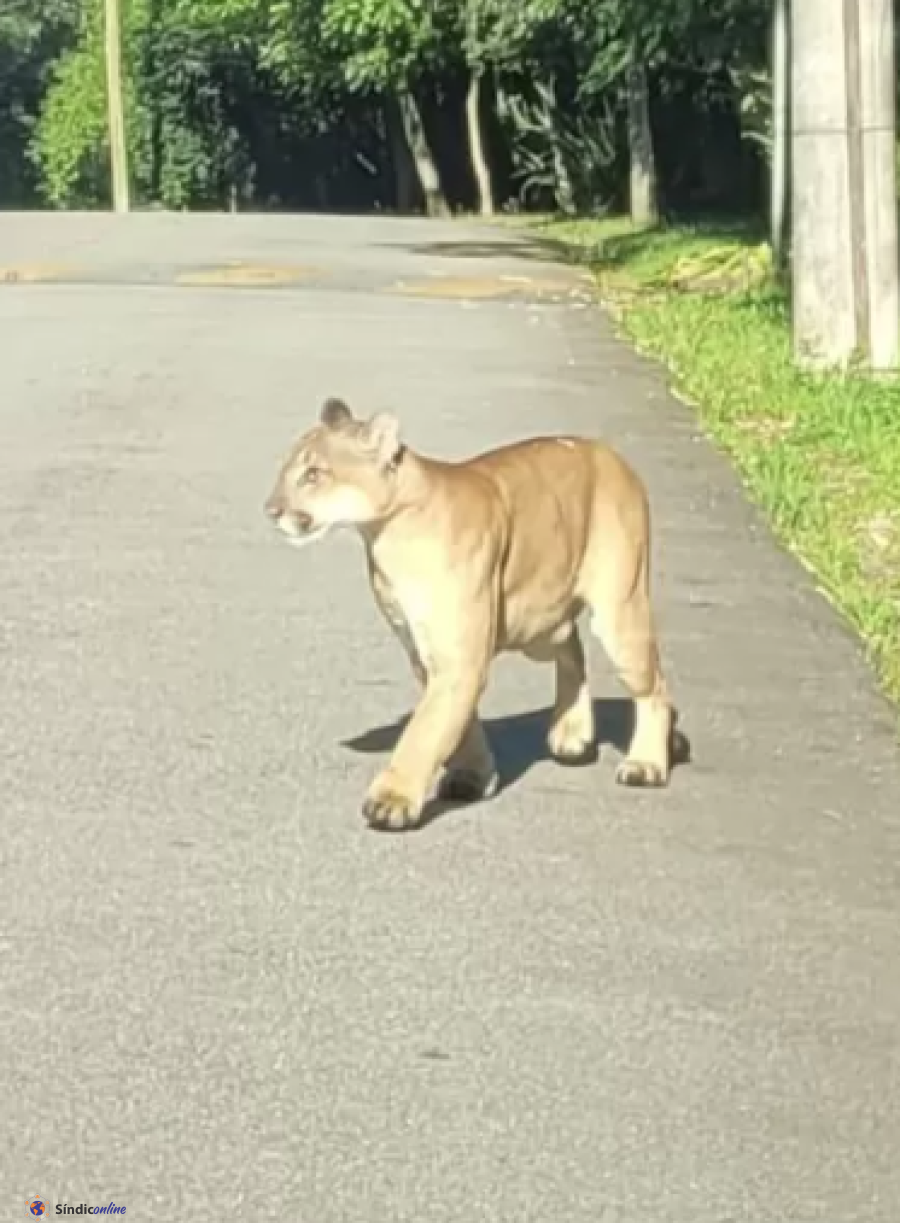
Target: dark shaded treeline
[214,127]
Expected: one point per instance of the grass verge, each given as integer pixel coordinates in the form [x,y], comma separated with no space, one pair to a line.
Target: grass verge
[821,455]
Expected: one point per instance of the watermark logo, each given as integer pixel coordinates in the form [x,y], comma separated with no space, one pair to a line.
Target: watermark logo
[63,1208]
[39,1208]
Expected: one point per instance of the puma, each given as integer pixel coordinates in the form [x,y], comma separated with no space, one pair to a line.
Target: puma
[501,552]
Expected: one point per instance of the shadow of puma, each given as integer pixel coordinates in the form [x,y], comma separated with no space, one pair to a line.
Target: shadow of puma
[519,742]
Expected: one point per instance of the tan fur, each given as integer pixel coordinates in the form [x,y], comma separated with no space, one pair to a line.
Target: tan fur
[499,553]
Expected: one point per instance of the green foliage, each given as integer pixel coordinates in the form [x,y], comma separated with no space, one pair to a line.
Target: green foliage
[560,160]
[33,33]
[184,147]
[194,152]
[213,86]
[754,87]
[506,37]
[381,43]
[70,140]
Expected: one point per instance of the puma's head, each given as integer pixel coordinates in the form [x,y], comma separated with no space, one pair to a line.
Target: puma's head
[340,473]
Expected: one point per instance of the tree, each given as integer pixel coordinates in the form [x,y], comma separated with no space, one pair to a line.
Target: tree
[637,43]
[180,76]
[385,46]
[642,193]
[630,40]
[497,38]
[547,103]
[33,35]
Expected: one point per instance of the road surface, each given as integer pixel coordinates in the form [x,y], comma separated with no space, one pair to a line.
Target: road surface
[222,997]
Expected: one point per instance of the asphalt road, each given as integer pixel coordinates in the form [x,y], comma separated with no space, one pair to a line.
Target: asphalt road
[221,995]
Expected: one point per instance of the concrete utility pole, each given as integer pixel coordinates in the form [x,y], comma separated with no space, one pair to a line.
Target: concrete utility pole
[778,187]
[118,146]
[844,205]
[879,152]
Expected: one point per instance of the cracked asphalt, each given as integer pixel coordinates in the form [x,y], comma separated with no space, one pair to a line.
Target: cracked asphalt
[220,994]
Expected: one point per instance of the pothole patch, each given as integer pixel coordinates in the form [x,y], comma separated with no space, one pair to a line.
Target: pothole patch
[32,273]
[246,275]
[467,288]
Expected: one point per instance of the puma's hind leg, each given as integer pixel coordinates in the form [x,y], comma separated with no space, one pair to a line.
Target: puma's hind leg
[570,739]
[622,619]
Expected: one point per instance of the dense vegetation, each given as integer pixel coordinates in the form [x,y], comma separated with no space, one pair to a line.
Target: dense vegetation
[390,104]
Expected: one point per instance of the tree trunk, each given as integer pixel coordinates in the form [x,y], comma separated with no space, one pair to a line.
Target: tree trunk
[480,167]
[405,194]
[423,159]
[644,206]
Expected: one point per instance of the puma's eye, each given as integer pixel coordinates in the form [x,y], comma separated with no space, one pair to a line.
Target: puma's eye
[312,475]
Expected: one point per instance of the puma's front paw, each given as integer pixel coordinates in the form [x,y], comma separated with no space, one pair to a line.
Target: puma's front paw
[389,807]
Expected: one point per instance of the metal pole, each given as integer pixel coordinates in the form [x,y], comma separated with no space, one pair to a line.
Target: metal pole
[118,147]
[780,93]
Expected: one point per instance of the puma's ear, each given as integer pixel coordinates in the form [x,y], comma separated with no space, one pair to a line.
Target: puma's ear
[335,414]
[383,437]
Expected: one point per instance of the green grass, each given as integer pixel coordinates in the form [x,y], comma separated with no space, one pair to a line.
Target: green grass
[821,454]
